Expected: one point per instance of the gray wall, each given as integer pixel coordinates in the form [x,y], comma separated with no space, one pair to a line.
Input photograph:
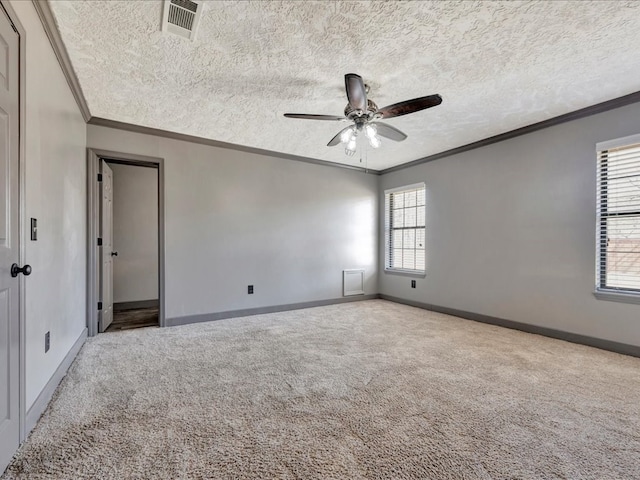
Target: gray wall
[55,193]
[233,219]
[135,233]
[511,230]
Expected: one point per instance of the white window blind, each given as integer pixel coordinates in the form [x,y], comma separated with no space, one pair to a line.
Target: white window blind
[405,229]
[618,216]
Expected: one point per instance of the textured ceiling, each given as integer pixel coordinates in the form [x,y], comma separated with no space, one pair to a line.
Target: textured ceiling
[498,66]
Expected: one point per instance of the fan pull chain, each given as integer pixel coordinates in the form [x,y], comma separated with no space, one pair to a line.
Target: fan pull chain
[364,149]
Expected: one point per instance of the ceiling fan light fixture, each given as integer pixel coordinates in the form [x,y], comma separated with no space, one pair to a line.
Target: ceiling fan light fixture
[347,135]
[352,145]
[371,132]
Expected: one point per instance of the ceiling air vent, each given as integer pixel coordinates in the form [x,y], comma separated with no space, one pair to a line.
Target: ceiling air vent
[181,17]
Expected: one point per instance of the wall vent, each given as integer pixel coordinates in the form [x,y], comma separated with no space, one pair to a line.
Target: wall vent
[352,282]
[181,17]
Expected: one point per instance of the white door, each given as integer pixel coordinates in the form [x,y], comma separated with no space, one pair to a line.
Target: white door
[9,243]
[106,252]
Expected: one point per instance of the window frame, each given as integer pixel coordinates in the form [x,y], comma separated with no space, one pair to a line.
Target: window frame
[602,290]
[388,229]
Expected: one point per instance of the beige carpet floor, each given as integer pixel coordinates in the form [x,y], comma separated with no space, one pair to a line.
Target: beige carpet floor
[362,390]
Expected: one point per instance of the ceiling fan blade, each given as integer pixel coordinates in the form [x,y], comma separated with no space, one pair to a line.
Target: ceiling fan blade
[336,140]
[356,92]
[307,116]
[387,131]
[410,106]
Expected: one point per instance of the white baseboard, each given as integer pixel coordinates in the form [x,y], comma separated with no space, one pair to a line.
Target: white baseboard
[40,405]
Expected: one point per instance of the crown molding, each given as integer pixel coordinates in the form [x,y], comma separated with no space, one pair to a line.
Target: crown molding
[534,127]
[49,24]
[130,127]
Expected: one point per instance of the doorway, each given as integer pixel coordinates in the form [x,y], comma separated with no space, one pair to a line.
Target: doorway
[126,241]
[134,249]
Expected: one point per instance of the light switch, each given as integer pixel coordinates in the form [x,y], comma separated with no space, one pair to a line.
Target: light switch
[34,229]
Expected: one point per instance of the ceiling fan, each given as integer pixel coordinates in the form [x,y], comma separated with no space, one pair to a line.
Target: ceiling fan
[365,115]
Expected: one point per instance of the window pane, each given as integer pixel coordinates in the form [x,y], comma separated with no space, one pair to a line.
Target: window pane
[420,238]
[410,217]
[398,200]
[623,194]
[623,252]
[420,260]
[408,259]
[396,261]
[409,239]
[396,239]
[621,159]
[420,200]
[420,218]
[410,199]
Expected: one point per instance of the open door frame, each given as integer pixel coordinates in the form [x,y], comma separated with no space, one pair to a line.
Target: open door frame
[93,217]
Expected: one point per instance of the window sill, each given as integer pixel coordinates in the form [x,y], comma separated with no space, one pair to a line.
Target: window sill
[617,296]
[405,273]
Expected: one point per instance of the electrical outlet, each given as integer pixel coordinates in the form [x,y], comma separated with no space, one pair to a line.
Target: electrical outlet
[250,289]
[47,341]
[413,284]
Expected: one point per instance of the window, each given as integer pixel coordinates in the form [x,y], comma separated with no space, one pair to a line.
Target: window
[405,229]
[618,217]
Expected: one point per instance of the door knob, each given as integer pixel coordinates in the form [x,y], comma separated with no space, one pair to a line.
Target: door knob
[114,254]
[15,270]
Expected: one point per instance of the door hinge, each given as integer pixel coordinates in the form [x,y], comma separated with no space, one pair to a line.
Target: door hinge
[99,241]
[14,27]
[99,305]
[99,177]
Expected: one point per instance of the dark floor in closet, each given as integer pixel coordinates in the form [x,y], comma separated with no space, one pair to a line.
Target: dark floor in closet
[126,319]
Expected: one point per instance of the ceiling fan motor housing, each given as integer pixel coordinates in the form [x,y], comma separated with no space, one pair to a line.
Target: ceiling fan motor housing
[354,113]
